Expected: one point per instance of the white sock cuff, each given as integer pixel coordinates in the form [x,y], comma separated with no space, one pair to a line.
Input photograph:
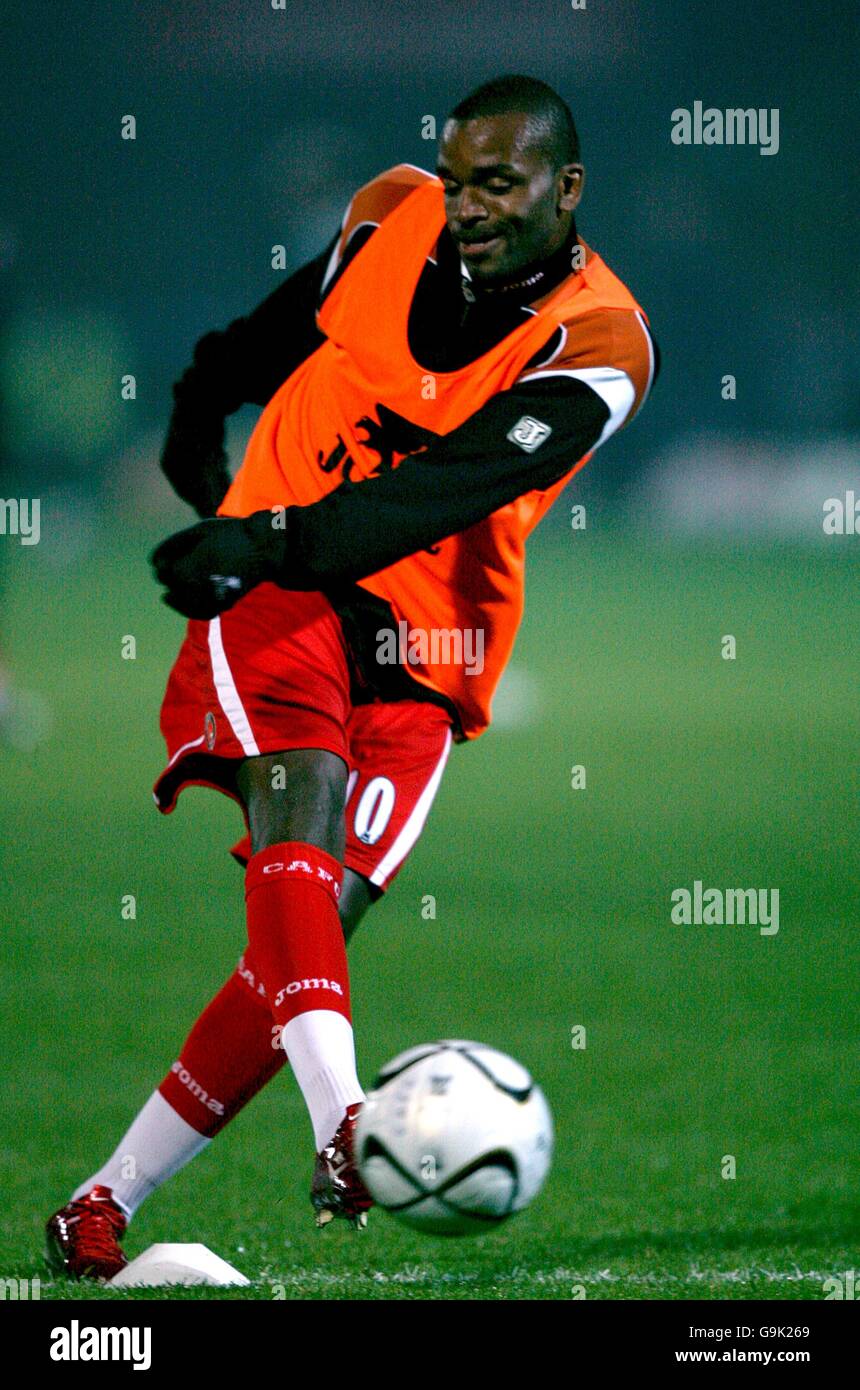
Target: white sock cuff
[321,1049]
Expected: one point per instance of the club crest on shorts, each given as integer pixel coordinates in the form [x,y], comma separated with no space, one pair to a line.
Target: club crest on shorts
[209,730]
[529,433]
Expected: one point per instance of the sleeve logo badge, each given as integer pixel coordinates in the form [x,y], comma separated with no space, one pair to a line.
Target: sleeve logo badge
[529,433]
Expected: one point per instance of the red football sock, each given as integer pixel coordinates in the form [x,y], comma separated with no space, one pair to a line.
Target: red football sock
[294,931]
[295,934]
[229,1055]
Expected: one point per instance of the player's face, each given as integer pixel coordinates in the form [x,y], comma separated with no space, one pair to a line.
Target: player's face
[506,204]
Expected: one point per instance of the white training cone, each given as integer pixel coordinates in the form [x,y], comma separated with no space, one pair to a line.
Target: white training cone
[177,1264]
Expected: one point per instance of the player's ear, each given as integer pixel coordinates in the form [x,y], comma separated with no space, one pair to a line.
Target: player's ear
[570,183]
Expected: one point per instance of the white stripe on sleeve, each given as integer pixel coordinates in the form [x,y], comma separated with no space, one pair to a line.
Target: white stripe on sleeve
[613,387]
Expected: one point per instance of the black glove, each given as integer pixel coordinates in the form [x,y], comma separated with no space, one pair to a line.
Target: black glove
[208,567]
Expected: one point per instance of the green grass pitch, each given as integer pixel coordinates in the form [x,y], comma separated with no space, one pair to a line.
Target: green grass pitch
[553,910]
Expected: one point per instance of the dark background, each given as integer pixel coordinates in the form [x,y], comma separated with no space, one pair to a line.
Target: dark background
[255,126]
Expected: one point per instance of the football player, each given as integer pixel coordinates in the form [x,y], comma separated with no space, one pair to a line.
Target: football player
[429,384]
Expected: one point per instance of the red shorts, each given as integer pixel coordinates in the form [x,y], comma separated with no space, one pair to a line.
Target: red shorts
[272,674]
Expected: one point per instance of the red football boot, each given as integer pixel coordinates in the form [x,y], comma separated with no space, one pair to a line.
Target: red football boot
[337,1189]
[82,1238]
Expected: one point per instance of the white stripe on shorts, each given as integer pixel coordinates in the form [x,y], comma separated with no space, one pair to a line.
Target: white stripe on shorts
[228,695]
[415,824]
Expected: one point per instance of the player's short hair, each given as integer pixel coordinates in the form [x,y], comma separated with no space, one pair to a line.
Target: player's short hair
[549,115]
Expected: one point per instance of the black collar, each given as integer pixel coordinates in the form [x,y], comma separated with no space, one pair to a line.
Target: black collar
[532,282]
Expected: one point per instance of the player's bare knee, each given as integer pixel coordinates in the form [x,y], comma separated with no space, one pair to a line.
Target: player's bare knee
[295,795]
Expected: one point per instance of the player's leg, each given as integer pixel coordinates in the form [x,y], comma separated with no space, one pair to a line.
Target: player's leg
[403,742]
[229,1055]
[232,1051]
[399,752]
[271,673]
[257,704]
[294,803]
